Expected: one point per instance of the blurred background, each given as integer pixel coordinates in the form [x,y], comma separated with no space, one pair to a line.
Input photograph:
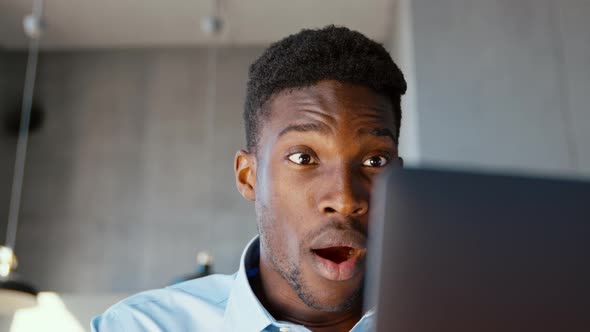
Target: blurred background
[137,115]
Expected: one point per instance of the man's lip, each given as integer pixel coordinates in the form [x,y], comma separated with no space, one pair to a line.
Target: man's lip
[340,244]
[339,238]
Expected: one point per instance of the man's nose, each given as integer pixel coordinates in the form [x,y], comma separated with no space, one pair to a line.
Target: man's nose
[344,193]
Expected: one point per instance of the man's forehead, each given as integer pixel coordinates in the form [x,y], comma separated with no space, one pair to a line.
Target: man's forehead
[330,105]
[330,97]
[326,90]
[321,129]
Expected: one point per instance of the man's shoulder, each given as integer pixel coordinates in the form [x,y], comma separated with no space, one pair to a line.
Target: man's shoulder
[198,303]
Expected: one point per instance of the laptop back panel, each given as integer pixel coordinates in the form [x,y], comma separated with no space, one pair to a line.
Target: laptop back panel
[471,252]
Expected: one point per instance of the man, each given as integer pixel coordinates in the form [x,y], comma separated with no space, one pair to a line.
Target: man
[322,118]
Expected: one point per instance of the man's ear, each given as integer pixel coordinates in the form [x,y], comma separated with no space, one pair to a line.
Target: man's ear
[245,170]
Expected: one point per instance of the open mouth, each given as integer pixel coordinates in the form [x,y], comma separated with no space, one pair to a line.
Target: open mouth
[339,255]
[338,263]
[336,254]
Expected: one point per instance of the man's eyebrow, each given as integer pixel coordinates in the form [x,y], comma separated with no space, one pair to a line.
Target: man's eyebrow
[305,127]
[379,132]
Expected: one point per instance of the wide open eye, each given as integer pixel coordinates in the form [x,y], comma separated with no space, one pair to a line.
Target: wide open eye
[376,161]
[302,158]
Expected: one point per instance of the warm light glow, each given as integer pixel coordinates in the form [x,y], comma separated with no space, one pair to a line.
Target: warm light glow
[4,270]
[50,314]
[7,261]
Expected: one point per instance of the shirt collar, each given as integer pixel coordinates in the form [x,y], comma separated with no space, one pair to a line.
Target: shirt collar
[244,312]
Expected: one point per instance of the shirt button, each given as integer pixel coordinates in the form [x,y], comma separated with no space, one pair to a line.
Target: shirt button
[284,329]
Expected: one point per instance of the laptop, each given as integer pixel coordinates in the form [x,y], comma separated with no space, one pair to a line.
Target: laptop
[458,251]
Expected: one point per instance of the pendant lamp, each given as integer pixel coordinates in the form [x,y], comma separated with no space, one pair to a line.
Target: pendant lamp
[16,293]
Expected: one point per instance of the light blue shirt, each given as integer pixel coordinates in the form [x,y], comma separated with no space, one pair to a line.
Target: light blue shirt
[214,303]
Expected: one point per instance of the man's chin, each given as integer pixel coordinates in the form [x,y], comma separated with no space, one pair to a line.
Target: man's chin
[327,300]
[328,295]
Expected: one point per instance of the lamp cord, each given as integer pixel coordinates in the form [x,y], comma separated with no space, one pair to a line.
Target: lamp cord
[23,136]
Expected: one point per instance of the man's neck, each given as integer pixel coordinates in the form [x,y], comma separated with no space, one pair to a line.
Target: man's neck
[283,303]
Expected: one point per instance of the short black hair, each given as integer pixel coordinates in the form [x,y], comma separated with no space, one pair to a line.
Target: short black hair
[310,56]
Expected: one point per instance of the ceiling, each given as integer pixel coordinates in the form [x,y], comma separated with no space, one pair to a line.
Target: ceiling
[154,23]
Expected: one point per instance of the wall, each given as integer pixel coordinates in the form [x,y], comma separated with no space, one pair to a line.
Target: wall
[574,29]
[503,84]
[130,175]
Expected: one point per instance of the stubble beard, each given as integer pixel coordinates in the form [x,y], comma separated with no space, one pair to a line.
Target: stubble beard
[290,271]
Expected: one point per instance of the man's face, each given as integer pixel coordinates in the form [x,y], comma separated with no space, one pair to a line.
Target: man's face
[318,153]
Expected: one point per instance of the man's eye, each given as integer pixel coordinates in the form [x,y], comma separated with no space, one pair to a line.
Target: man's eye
[376,161]
[302,158]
